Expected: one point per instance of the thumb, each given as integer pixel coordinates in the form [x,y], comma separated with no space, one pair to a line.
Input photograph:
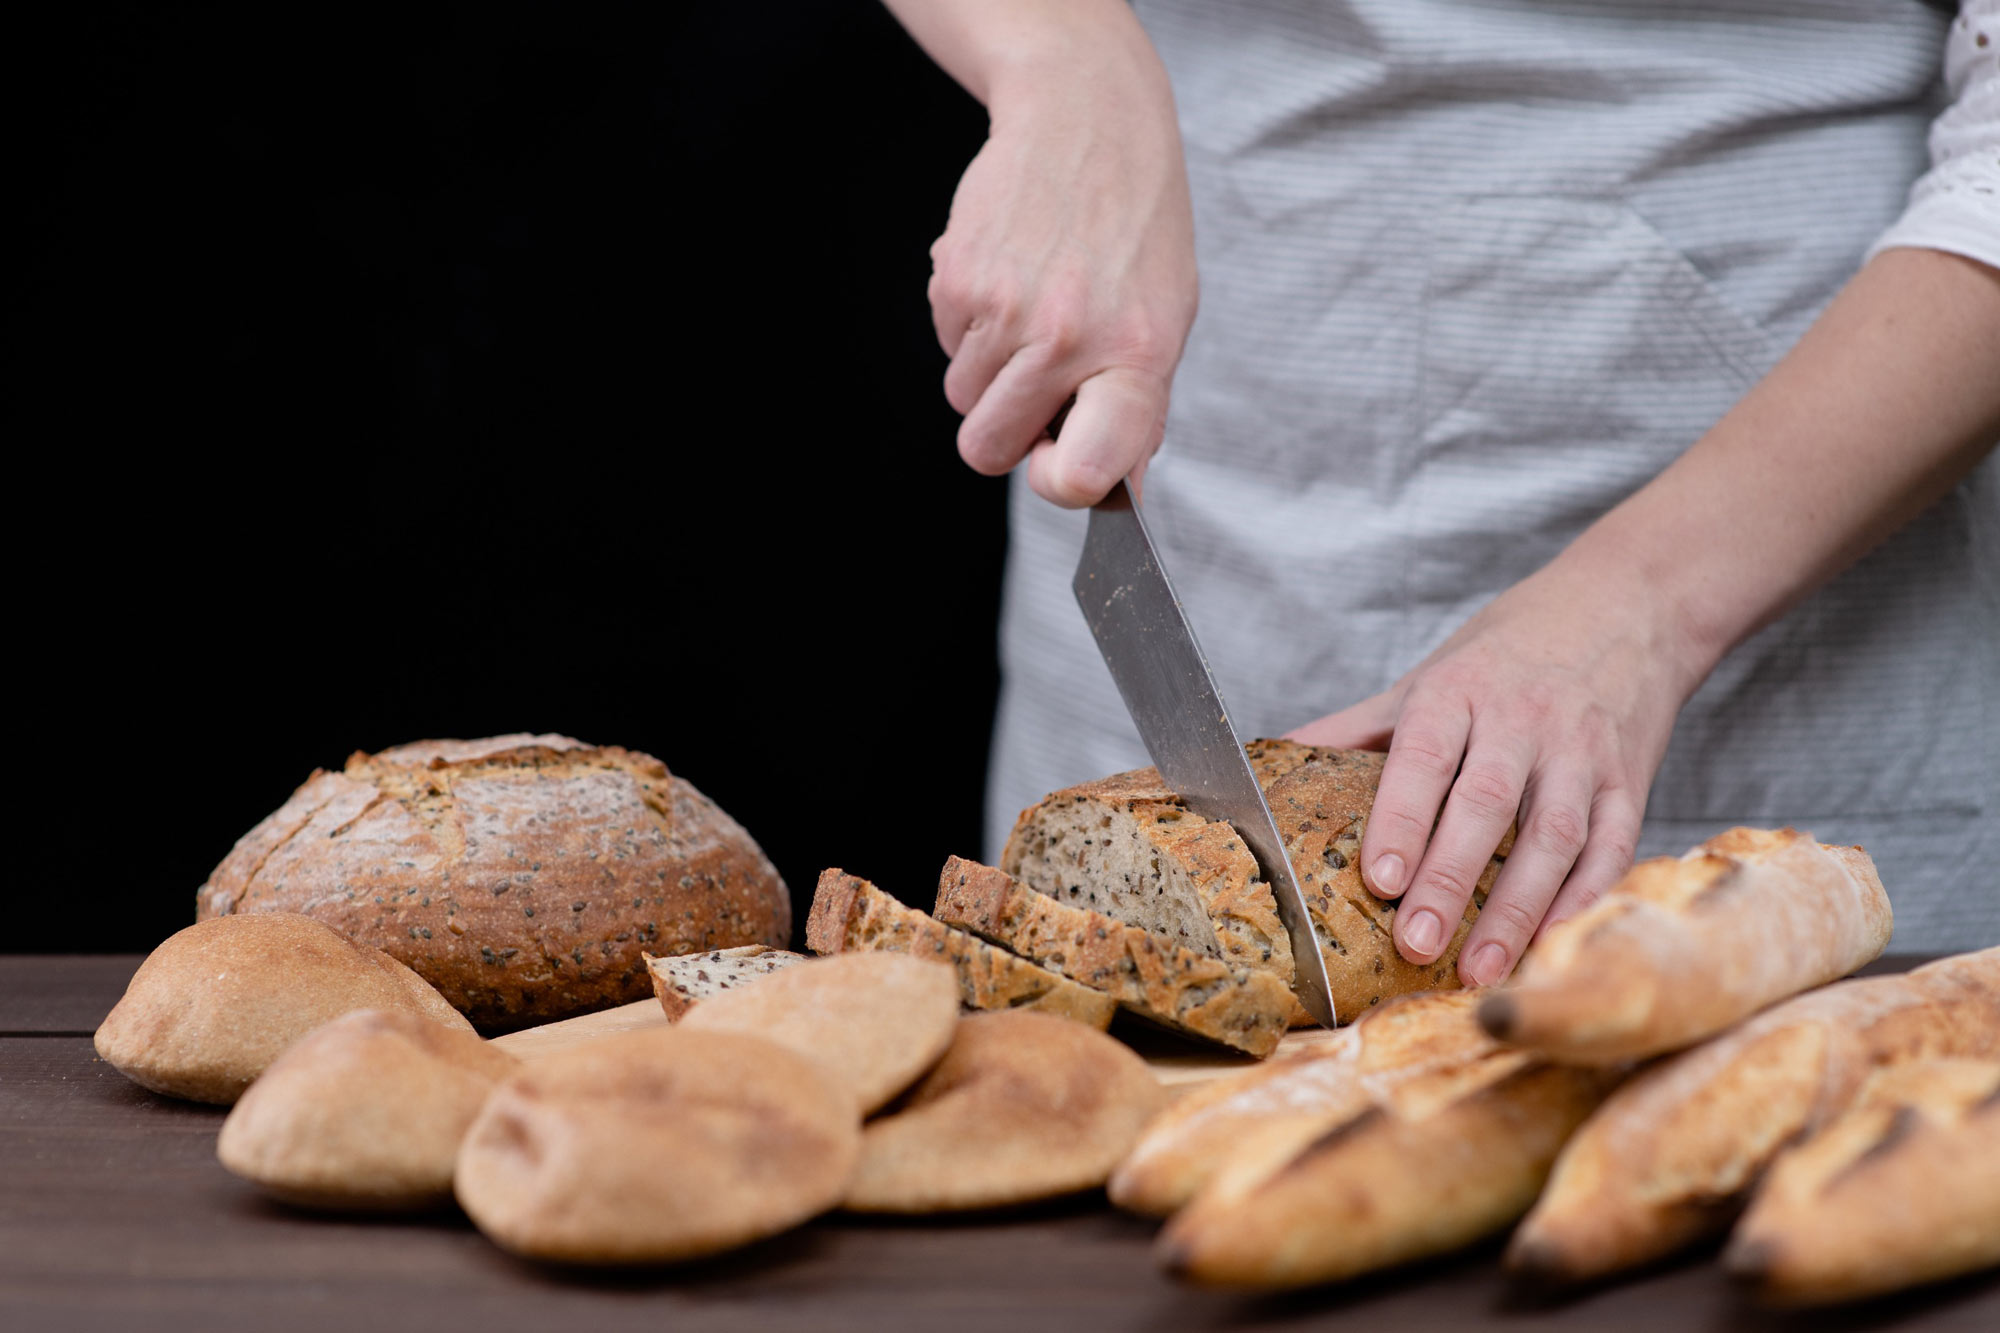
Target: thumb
[1119,417]
[1367,725]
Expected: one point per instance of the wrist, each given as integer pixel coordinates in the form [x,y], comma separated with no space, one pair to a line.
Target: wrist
[1098,52]
[1630,589]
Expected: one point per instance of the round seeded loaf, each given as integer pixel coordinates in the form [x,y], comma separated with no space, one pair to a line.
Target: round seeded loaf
[524,876]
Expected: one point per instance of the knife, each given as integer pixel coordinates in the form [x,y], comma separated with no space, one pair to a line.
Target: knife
[1146,640]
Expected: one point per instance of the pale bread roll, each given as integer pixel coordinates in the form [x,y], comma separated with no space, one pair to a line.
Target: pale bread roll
[1681,948]
[1265,1115]
[364,1112]
[1023,1106]
[1392,1184]
[215,1003]
[656,1146]
[1671,1155]
[1903,1188]
[874,1021]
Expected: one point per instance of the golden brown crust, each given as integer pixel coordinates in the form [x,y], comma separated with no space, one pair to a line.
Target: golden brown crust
[1023,1106]
[1147,973]
[365,1112]
[216,1003]
[1683,947]
[523,876]
[849,913]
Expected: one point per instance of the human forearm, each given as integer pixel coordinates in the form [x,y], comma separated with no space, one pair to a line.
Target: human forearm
[1000,52]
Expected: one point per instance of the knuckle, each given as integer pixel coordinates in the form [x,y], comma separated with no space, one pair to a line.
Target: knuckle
[1444,886]
[1487,789]
[1426,753]
[1509,919]
[1559,832]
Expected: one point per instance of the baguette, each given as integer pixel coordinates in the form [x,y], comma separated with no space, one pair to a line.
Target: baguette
[685,980]
[1148,973]
[1673,1153]
[1682,948]
[850,914]
[1904,1188]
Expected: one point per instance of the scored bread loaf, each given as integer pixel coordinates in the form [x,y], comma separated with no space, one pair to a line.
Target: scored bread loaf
[1683,947]
[1671,1155]
[1247,1123]
[872,1021]
[684,980]
[215,1003]
[1129,847]
[521,875]
[1023,1106]
[1903,1188]
[1147,973]
[850,914]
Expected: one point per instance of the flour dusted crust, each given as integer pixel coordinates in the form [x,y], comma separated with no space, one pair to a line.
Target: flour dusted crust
[849,913]
[1673,1153]
[1130,848]
[1902,1188]
[523,876]
[1146,972]
[1683,947]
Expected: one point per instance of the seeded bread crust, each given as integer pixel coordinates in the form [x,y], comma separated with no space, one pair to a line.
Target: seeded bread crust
[849,913]
[685,980]
[1147,973]
[521,875]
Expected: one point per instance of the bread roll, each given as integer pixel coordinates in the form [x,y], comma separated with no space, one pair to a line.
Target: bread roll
[655,1146]
[1023,1106]
[213,1005]
[872,1021]
[684,980]
[523,876]
[364,1112]
[1672,1154]
[1901,1189]
[1681,948]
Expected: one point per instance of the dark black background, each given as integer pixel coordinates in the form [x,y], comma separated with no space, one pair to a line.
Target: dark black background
[475,369]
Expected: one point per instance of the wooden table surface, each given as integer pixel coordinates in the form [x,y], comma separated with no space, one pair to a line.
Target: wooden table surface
[115,1214]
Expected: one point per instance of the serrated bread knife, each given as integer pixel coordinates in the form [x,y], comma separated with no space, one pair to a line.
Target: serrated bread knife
[1164,678]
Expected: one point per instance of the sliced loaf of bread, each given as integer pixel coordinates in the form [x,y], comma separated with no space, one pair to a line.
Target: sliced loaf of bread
[685,980]
[1149,973]
[849,913]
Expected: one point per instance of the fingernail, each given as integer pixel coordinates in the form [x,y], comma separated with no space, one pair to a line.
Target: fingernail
[1387,876]
[1422,934]
[1487,965]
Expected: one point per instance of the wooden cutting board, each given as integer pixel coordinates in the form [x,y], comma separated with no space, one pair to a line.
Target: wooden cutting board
[1172,1060]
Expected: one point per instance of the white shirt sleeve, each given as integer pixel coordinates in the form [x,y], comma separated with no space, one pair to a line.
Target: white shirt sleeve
[1955,206]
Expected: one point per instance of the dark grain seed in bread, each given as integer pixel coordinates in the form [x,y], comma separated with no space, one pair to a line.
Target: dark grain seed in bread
[214,1005]
[523,876]
[849,914]
[685,980]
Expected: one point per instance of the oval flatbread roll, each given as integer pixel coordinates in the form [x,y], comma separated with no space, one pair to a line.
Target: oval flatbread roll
[365,1112]
[1023,1106]
[655,1146]
[874,1021]
[213,1005]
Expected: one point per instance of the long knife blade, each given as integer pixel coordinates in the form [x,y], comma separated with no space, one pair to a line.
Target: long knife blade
[1167,687]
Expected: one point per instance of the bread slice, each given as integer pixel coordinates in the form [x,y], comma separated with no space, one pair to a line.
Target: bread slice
[685,980]
[1388,1185]
[1129,847]
[1683,947]
[1673,1153]
[213,1005]
[657,1145]
[1248,1123]
[850,914]
[872,1021]
[365,1112]
[1023,1106]
[1901,1189]
[1147,973]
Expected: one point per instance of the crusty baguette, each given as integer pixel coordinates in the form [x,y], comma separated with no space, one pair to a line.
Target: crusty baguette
[1904,1188]
[684,980]
[849,913]
[1672,1154]
[1023,1106]
[1683,947]
[1388,1185]
[1146,972]
[1129,847]
[1248,1123]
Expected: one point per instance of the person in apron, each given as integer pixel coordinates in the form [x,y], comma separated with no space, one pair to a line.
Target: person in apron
[1583,408]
